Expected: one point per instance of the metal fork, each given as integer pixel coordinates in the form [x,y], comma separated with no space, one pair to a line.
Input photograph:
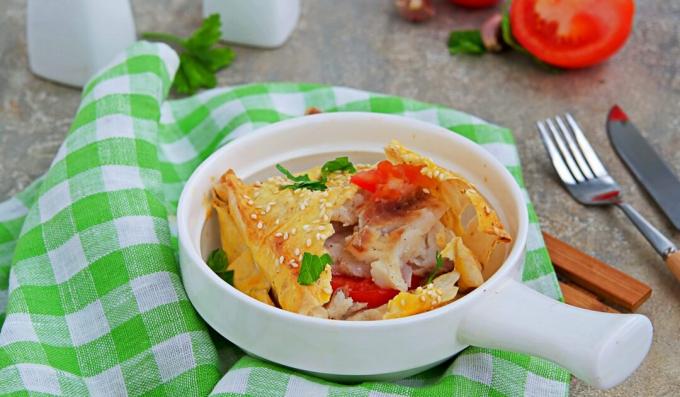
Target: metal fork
[587,180]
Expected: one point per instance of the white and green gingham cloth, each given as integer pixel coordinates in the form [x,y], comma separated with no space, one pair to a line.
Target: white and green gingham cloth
[91,301]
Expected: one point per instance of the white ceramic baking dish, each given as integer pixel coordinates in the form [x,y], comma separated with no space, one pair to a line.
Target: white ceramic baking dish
[601,349]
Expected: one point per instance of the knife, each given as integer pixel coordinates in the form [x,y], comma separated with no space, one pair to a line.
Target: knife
[645,164]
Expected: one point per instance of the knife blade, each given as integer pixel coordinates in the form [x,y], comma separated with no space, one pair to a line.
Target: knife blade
[645,164]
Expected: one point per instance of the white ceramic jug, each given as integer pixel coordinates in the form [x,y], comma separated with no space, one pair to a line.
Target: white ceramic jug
[70,40]
[259,23]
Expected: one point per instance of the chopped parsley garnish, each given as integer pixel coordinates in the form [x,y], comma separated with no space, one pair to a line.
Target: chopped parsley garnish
[439,262]
[218,262]
[340,164]
[301,181]
[311,267]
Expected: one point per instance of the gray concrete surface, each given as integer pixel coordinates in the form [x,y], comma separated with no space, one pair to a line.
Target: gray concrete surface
[364,44]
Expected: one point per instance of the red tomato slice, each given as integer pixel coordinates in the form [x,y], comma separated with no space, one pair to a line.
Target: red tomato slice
[474,3]
[365,290]
[572,33]
[389,182]
[366,180]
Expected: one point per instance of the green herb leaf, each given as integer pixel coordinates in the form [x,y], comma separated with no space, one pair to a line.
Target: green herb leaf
[309,185]
[219,58]
[218,262]
[301,181]
[311,267]
[289,175]
[304,182]
[466,42]
[439,262]
[206,35]
[340,164]
[228,276]
[199,59]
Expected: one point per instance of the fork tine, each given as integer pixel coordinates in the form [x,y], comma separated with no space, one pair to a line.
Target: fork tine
[558,163]
[564,151]
[575,150]
[588,152]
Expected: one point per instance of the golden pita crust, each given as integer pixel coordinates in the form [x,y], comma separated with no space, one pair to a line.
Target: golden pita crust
[279,225]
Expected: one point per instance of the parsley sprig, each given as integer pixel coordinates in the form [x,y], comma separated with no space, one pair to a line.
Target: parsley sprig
[199,58]
[466,42]
[311,267]
[439,262]
[303,181]
[218,262]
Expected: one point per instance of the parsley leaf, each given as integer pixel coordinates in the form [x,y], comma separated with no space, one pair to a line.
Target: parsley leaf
[439,262]
[199,59]
[218,262]
[289,175]
[340,164]
[309,185]
[303,181]
[466,42]
[311,267]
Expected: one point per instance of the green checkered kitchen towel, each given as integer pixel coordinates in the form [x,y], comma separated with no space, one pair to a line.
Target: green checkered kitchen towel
[91,301]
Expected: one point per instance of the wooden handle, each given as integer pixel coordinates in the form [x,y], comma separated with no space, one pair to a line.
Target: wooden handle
[607,283]
[579,297]
[673,263]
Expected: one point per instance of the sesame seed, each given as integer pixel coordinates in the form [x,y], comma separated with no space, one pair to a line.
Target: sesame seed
[426,190]
[309,242]
[305,228]
[318,236]
[259,225]
[423,298]
[293,264]
[271,203]
[285,236]
[281,259]
[321,228]
[251,202]
[297,251]
[278,234]
[277,221]
[302,207]
[253,216]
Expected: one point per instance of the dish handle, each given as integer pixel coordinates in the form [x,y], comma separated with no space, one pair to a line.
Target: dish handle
[602,349]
